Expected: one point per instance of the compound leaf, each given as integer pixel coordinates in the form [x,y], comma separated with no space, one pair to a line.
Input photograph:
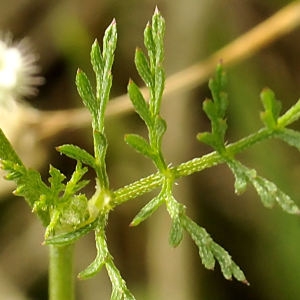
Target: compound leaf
[139,144]
[77,153]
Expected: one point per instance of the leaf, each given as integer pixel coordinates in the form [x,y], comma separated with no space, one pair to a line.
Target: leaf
[150,45]
[30,186]
[147,210]
[158,32]
[101,258]
[143,68]
[160,127]
[210,251]
[139,144]
[203,240]
[290,116]
[241,174]
[217,86]
[97,59]
[7,152]
[56,180]
[85,91]
[77,153]
[269,193]
[70,237]
[159,77]
[109,45]
[272,108]
[75,184]
[176,211]
[139,103]
[119,288]
[228,267]
[216,110]
[176,232]
[289,136]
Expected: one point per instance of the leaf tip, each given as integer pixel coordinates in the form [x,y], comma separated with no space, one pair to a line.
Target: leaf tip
[246,282]
[113,22]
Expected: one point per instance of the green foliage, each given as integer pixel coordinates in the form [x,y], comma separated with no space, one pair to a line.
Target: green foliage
[68,214]
[216,110]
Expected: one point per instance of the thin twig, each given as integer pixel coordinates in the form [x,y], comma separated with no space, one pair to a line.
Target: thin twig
[280,24]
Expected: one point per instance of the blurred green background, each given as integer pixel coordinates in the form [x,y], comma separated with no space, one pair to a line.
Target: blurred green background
[265,243]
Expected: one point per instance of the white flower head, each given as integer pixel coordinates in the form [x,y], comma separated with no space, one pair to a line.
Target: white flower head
[18,71]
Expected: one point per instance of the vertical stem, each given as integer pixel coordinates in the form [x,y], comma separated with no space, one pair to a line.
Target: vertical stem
[61,278]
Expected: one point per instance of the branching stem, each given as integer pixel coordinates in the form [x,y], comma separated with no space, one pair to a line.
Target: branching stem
[198,164]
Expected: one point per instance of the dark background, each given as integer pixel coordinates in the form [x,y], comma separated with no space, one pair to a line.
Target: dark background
[265,243]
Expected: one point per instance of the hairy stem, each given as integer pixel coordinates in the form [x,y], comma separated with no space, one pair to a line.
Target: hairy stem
[198,164]
[61,278]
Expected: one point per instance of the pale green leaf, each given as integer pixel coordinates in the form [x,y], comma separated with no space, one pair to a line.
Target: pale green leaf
[70,237]
[101,257]
[7,152]
[97,59]
[139,103]
[139,144]
[290,116]
[272,108]
[147,210]
[143,68]
[176,232]
[85,91]
[290,136]
[77,153]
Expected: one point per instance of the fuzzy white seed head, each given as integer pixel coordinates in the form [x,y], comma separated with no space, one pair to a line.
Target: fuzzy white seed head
[18,71]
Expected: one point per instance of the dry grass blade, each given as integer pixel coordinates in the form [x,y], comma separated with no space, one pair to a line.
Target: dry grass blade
[281,23]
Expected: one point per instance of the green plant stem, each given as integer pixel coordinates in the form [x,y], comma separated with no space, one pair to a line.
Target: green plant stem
[198,164]
[61,277]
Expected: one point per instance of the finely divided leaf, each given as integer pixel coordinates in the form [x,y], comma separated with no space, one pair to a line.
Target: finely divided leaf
[241,174]
[158,31]
[30,186]
[290,116]
[75,184]
[272,108]
[203,240]
[77,153]
[97,59]
[109,45]
[269,193]
[142,66]
[215,110]
[160,126]
[147,210]
[176,232]
[228,267]
[139,103]
[159,78]
[290,136]
[176,211]
[6,150]
[100,260]
[70,237]
[85,91]
[139,144]
[149,43]
[210,251]
[56,178]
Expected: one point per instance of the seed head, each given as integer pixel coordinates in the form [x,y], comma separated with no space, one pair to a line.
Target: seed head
[18,71]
